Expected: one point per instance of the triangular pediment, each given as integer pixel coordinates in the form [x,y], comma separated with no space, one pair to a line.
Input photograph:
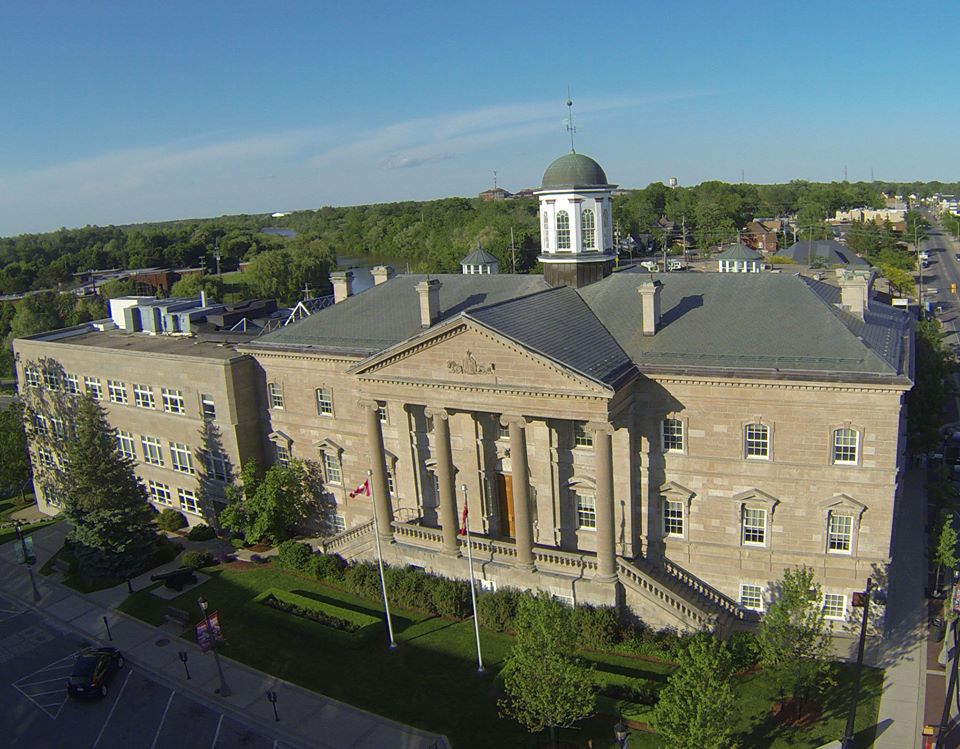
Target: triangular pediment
[465,353]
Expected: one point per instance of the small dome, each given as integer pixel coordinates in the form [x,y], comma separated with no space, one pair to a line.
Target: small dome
[574,170]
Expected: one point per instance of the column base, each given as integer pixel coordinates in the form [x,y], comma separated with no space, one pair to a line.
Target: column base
[452,553]
[605,579]
[526,566]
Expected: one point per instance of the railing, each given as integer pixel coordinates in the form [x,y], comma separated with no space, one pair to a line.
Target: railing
[565,560]
[711,594]
[345,537]
[656,590]
[418,535]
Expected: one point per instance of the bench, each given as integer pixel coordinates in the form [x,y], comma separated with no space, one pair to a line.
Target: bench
[62,566]
[176,616]
[176,579]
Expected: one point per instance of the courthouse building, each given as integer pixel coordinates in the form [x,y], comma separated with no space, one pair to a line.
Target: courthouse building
[670,443]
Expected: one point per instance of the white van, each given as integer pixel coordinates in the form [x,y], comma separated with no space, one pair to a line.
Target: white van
[650,265]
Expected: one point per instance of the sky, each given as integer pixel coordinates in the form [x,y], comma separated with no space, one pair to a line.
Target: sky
[116,113]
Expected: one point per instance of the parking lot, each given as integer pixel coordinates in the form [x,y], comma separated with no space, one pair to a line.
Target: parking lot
[35,659]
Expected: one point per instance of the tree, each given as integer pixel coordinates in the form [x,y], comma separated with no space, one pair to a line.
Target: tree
[695,707]
[945,552]
[547,686]
[794,636]
[14,459]
[113,529]
[268,504]
[929,390]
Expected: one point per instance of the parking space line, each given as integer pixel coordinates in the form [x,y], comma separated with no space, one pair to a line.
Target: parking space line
[162,719]
[216,736]
[50,707]
[112,708]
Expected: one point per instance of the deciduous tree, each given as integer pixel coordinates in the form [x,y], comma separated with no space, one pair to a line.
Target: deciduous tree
[268,504]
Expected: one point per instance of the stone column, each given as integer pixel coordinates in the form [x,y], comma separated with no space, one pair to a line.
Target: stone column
[521,489]
[378,464]
[606,532]
[448,494]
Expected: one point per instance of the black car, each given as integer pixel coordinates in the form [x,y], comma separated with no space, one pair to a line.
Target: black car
[92,672]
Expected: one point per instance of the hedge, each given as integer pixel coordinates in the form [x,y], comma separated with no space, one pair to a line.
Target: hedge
[170,520]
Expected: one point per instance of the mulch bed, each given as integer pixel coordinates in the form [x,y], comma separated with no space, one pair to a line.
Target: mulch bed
[786,713]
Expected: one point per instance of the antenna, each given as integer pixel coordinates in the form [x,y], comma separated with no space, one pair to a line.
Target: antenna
[513,252]
[569,123]
[844,172]
[494,179]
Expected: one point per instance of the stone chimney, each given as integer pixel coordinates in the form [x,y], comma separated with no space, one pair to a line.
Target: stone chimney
[855,286]
[429,292]
[381,274]
[342,285]
[650,294]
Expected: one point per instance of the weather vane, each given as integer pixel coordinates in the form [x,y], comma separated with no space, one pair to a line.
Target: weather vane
[568,123]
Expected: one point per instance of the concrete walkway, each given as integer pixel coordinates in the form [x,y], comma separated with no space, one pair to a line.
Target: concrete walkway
[308,719]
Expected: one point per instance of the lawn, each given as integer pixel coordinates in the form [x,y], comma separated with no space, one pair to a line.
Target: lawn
[9,505]
[431,679]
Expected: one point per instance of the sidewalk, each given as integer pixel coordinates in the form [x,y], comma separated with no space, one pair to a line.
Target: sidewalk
[308,719]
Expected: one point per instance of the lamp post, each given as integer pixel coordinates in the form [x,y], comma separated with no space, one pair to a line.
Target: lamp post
[28,559]
[224,690]
[620,733]
[848,738]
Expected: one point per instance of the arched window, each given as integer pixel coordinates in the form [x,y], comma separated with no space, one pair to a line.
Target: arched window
[546,230]
[589,230]
[563,230]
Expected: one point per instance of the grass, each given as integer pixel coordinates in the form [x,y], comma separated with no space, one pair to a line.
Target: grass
[431,679]
[9,505]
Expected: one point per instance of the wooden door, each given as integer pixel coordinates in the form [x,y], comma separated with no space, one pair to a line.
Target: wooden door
[505,491]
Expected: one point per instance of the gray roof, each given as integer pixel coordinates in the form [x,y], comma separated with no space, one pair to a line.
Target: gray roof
[574,170]
[479,256]
[832,251]
[738,252]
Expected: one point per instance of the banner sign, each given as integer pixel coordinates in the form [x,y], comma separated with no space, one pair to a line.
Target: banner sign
[208,632]
[23,551]
[956,599]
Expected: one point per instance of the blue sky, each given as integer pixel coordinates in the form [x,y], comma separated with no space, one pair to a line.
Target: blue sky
[124,112]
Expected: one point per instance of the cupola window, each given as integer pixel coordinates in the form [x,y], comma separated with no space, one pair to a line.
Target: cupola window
[563,230]
[589,230]
[546,230]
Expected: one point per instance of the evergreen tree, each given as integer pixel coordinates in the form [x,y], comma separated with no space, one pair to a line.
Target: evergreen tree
[695,707]
[14,461]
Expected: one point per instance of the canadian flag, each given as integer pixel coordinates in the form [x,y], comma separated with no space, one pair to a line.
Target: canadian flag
[364,488]
[463,520]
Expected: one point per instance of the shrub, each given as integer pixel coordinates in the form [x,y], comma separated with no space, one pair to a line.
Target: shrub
[201,533]
[412,588]
[328,566]
[595,628]
[744,650]
[295,555]
[170,520]
[196,559]
[311,614]
[165,551]
[664,644]
[450,597]
[363,580]
[497,609]
[238,543]
[640,691]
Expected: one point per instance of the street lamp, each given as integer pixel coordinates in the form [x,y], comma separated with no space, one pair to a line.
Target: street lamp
[224,690]
[620,733]
[864,598]
[28,560]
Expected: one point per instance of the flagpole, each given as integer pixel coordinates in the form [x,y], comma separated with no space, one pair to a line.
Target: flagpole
[473,588]
[383,582]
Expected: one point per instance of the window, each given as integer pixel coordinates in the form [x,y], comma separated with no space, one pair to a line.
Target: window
[563,230]
[188,501]
[751,597]
[673,435]
[217,466]
[172,401]
[159,493]
[45,458]
[324,402]
[275,395]
[845,444]
[382,412]
[672,517]
[586,511]
[117,391]
[337,523]
[32,377]
[391,486]
[40,425]
[546,230]
[282,453]
[180,457]
[152,450]
[581,437]
[839,533]
[503,432]
[834,605]
[331,468]
[757,440]
[93,388]
[51,379]
[125,445]
[71,383]
[754,526]
[207,407]
[589,228]
[59,427]
[142,396]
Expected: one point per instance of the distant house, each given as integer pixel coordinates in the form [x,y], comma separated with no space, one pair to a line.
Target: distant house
[759,237]
[826,252]
[495,193]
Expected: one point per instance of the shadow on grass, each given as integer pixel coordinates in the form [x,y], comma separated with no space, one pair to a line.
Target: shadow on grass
[634,673]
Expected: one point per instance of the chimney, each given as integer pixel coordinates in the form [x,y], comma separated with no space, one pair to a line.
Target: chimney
[429,292]
[381,274]
[855,288]
[342,285]
[650,296]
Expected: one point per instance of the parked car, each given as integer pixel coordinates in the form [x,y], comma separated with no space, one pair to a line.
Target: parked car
[93,671]
[650,265]
[676,265]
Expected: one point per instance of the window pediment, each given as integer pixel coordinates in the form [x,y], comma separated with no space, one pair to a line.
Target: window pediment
[757,498]
[328,446]
[677,492]
[842,503]
[281,437]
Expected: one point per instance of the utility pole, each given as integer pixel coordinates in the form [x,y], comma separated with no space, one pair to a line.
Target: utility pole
[683,229]
[916,244]
[513,250]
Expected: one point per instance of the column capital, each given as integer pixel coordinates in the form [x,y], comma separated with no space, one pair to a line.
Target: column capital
[368,403]
[515,419]
[437,412]
[599,427]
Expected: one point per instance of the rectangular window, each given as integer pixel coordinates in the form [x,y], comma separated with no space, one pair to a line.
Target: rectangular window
[673,435]
[188,501]
[40,425]
[834,605]
[152,450]
[751,597]
[391,487]
[172,401]
[142,396]
[324,402]
[336,523]
[32,377]
[840,533]
[382,411]
[125,445]
[275,395]
[51,379]
[845,444]
[754,526]
[331,468]
[159,493]
[207,406]
[71,383]
[180,457]
[117,391]
[45,458]
[93,388]
[581,437]
[672,517]
[217,466]
[757,441]
[59,427]
[586,511]
[282,453]
[503,432]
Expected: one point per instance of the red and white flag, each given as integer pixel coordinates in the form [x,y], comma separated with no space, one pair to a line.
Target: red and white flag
[364,488]
[463,520]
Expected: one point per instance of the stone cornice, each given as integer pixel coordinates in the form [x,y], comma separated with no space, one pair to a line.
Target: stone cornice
[481,387]
[813,385]
[302,356]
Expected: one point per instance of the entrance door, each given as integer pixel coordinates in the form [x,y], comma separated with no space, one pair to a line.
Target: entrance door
[505,493]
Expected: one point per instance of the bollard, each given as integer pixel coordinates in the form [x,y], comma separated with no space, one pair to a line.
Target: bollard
[182,655]
[107,625]
[272,696]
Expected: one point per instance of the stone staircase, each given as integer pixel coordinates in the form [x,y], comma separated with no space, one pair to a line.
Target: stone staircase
[350,543]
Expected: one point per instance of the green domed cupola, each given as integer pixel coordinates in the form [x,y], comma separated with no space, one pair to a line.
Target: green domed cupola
[574,170]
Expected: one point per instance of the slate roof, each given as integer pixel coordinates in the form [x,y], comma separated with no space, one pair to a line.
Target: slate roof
[834,253]
[738,252]
[479,256]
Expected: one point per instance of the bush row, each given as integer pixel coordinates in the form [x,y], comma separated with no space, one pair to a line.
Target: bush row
[307,613]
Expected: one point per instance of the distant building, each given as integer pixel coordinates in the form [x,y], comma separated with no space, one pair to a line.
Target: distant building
[760,237]
[826,252]
[495,193]
[739,259]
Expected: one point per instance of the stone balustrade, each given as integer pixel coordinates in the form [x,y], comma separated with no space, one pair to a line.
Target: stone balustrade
[344,538]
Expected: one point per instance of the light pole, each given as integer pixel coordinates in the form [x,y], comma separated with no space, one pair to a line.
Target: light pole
[848,738]
[224,690]
[28,559]
[620,733]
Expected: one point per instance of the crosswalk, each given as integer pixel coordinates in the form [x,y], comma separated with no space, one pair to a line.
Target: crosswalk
[47,687]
